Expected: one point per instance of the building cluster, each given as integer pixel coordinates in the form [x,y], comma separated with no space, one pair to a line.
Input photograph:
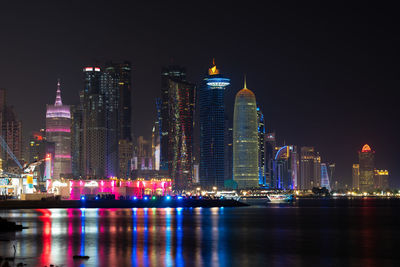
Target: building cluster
[365,177]
[194,142]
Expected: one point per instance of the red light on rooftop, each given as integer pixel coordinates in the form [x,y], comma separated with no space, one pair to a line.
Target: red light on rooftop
[366,148]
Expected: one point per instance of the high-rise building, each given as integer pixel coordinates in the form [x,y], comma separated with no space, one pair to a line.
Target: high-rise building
[381,179]
[269,148]
[310,168]
[156,137]
[228,150]
[58,131]
[125,155]
[366,161]
[180,131]
[212,125]
[94,124]
[285,168]
[356,176]
[245,140]
[77,148]
[325,176]
[261,147]
[11,130]
[176,73]
[121,75]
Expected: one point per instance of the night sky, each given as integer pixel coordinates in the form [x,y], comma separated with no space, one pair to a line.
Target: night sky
[324,75]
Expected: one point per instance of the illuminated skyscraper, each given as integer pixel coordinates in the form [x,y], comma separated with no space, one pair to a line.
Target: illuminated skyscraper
[381,179]
[310,168]
[11,130]
[94,124]
[366,161]
[58,131]
[180,145]
[212,125]
[356,176]
[176,73]
[261,147]
[285,168]
[245,140]
[325,176]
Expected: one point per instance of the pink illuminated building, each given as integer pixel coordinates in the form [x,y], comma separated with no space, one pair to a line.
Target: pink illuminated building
[58,131]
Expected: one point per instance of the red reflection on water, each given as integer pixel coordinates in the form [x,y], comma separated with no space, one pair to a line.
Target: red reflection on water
[46,236]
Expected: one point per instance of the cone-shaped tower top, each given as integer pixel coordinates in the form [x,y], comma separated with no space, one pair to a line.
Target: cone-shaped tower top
[58,95]
[213,70]
[366,148]
[245,92]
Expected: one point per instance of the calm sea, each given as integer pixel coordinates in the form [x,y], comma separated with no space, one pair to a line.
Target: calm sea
[285,235]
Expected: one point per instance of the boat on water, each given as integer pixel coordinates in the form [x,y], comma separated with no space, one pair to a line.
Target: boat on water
[280,198]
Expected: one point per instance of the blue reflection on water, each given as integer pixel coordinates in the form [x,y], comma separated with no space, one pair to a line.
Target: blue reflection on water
[145,238]
[82,231]
[168,259]
[134,237]
[179,234]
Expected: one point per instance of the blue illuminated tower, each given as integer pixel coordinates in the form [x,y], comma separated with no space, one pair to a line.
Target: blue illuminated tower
[212,125]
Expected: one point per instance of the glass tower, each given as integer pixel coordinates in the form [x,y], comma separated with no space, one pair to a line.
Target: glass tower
[58,130]
[245,140]
[366,161]
[212,125]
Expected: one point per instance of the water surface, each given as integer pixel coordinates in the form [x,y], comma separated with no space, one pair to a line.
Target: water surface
[246,236]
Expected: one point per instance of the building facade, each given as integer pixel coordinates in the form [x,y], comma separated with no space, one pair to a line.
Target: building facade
[11,131]
[356,176]
[367,166]
[176,73]
[180,131]
[245,140]
[261,147]
[212,125]
[310,168]
[381,179]
[58,131]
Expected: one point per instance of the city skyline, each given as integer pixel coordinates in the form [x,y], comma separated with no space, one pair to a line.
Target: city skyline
[314,100]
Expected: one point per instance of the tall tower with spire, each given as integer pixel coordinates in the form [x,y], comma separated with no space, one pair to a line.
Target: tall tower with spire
[212,128]
[245,139]
[58,131]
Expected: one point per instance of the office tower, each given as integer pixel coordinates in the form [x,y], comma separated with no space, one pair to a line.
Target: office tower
[58,131]
[228,150]
[156,137]
[180,131]
[356,176]
[36,147]
[245,140]
[325,176]
[212,125]
[11,130]
[125,155]
[176,73]
[120,73]
[261,147]
[109,88]
[77,148]
[269,148]
[332,177]
[381,179]
[310,168]
[366,161]
[285,168]
[94,124]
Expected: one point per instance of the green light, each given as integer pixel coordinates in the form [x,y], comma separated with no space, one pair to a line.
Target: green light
[153,198]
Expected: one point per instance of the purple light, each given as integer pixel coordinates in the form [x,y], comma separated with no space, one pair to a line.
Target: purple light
[63,156]
[65,130]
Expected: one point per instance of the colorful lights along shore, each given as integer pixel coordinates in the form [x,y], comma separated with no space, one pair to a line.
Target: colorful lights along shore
[58,125]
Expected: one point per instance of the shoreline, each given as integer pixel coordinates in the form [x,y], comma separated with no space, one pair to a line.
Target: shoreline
[63,204]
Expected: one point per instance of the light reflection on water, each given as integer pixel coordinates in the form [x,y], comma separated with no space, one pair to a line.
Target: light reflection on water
[202,236]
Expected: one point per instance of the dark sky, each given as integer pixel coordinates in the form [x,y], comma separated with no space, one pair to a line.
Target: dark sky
[325,75]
